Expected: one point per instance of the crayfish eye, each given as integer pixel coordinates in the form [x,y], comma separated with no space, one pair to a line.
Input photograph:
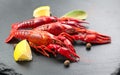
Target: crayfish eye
[70,31]
[53,41]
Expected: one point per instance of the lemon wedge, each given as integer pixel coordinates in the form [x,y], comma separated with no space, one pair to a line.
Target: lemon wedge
[41,11]
[22,51]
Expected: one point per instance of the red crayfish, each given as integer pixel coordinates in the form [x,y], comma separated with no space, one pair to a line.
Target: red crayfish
[35,22]
[45,43]
[77,33]
[55,35]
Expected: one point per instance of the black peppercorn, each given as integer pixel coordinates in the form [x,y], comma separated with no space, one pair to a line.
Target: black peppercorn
[88,46]
[66,63]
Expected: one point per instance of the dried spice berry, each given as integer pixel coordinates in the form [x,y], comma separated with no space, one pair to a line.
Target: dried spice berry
[66,63]
[88,46]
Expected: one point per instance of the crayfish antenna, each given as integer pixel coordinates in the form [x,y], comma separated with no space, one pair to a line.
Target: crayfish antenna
[73,22]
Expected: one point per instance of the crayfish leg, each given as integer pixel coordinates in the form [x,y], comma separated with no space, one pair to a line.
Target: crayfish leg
[44,50]
[65,52]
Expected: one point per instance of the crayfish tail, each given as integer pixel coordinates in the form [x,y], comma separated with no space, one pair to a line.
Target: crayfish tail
[15,25]
[10,37]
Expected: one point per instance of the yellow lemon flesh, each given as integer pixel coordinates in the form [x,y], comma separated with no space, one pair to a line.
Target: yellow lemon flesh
[22,51]
[41,11]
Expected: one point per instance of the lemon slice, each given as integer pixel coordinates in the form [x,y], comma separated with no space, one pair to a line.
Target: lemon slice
[41,11]
[22,51]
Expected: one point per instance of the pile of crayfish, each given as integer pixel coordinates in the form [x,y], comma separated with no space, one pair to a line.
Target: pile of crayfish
[53,35]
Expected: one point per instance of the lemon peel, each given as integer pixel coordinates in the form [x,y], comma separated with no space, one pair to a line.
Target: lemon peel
[41,11]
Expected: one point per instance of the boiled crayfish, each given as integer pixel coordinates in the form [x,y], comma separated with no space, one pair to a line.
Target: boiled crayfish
[76,33]
[35,22]
[45,43]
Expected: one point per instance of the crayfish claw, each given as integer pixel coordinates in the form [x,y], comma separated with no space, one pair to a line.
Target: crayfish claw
[102,39]
[72,56]
[90,36]
[97,38]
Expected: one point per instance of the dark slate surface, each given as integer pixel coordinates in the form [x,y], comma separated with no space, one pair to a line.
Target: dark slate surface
[104,17]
